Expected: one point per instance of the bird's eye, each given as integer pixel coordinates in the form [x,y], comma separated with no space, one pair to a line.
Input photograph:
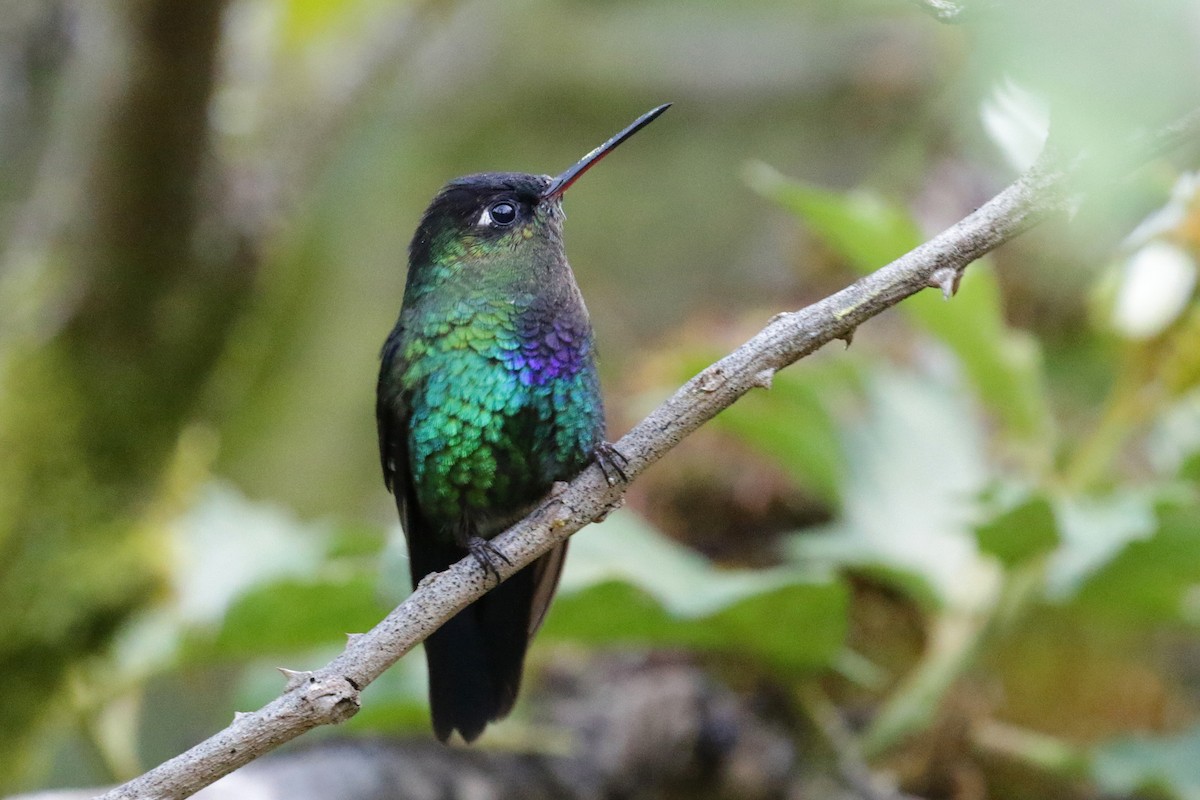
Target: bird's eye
[503,213]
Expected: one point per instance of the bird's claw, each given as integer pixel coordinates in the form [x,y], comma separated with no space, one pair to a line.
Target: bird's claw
[486,554]
[612,463]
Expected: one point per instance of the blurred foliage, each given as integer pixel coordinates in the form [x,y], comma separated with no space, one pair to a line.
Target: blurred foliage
[1002,362]
[974,531]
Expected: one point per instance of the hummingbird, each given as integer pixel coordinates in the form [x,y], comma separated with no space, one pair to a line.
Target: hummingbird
[488,394]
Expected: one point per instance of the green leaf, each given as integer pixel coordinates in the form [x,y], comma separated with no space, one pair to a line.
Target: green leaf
[399,698]
[229,545]
[1004,364]
[293,615]
[254,579]
[625,583]
[1189,468]
[916,463]
[355,540]
[1095,531]
[859,225]
[1151,580]
[794,422]
[1020,533]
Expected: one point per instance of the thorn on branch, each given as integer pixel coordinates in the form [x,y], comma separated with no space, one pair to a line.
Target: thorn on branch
[946,279]
[763,378]
[848,337]
[295,679]
[353,638]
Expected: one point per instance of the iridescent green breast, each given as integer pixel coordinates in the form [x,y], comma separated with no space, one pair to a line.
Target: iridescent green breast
[503,400]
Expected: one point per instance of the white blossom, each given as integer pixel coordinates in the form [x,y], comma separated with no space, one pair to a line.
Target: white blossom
[1155,286]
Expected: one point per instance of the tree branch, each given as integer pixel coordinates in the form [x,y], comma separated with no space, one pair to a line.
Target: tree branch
[331,694]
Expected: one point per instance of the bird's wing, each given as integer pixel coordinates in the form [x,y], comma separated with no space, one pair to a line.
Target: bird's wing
[389,415]
[546,572]
[391,420]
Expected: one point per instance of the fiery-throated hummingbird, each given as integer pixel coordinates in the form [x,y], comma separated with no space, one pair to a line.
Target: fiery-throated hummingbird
[487,396]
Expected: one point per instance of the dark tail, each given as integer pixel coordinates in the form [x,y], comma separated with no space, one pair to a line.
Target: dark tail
[475,659]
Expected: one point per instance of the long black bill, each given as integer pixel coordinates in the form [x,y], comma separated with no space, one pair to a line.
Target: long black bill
[564,181]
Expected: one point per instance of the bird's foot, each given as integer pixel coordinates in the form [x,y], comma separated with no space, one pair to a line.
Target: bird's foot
[486,556]
[612,463]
